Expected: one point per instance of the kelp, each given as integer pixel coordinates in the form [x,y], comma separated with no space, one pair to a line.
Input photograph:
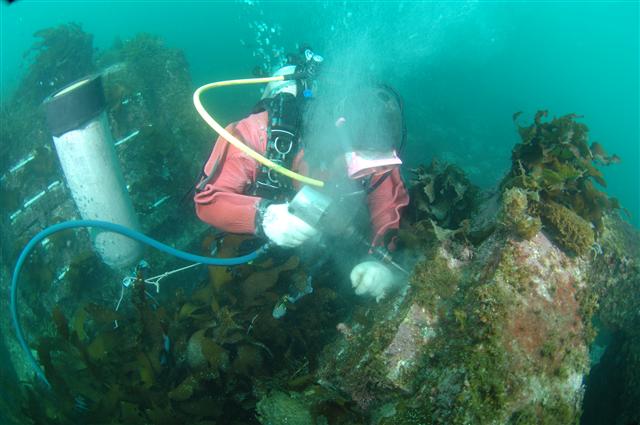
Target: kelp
[557,169]
[186,359]
[60,56]
[144,368]
[442,193]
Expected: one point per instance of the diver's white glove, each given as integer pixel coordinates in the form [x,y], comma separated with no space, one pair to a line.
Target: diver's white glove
[284,228]
[372,278]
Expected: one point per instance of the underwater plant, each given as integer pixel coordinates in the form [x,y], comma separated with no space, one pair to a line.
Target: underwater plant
[174,363]
[514,213]
[557,169]
[62,54]
[442,193]
[148,92]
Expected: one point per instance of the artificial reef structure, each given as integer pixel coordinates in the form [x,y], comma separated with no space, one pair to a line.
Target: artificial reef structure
[148,91]
[495,325]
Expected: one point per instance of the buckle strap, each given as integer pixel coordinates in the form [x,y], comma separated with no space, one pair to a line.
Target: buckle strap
[282,146]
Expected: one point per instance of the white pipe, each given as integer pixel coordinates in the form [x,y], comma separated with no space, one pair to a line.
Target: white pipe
[93,174]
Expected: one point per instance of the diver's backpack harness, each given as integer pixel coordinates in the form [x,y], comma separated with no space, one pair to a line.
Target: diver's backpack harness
[283,144]
[283,131]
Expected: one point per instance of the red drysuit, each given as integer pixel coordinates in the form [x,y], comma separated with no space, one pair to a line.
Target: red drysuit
[224,204]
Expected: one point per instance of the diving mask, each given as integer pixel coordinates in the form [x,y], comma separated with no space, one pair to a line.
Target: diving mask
[364,163]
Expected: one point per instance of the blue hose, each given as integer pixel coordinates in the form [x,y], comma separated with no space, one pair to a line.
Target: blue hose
[112,227]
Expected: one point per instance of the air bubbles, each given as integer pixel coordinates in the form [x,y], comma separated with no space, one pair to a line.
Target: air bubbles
[265,47]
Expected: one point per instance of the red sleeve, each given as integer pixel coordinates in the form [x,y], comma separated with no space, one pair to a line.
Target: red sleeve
[386,203]
[222,202]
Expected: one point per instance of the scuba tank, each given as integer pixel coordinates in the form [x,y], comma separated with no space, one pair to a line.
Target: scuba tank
[285,119]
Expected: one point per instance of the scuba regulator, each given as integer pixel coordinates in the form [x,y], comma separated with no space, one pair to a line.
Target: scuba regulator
[306,74]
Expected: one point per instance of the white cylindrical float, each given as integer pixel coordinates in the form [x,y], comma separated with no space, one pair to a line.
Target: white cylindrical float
[78,122]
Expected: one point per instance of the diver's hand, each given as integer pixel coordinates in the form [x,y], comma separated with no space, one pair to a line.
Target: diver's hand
[284,228]
[372,278]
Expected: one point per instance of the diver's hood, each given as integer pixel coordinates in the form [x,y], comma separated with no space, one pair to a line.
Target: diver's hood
[371,119]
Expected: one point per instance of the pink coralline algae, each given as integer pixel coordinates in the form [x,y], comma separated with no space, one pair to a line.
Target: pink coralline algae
[401,354]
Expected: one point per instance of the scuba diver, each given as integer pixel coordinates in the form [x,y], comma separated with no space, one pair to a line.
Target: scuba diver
[238,195]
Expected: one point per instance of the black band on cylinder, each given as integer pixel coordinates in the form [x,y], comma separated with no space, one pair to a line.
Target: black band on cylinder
[74,105]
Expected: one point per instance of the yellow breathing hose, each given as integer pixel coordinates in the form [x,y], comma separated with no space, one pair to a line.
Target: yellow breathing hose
[234,140]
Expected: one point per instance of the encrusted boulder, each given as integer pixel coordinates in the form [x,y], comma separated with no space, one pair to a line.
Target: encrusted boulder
[494,333]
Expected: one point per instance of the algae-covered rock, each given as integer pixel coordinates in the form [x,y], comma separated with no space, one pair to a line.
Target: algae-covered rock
[514,214]
[498,331]
[555,161]
[279,408]
[483,338]
[613,387]
[571,230]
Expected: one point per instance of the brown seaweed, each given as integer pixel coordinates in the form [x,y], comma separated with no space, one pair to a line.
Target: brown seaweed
[556,167]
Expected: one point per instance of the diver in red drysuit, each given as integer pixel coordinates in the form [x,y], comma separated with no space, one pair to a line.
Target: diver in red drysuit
[224,200]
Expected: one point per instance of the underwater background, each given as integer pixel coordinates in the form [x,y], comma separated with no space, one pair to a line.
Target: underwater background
[463,68]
